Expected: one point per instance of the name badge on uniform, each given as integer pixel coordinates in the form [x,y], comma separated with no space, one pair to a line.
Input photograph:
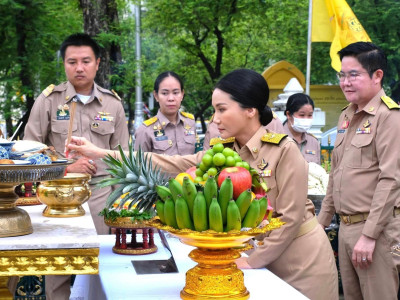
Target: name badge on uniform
[312,152]
[63,112]
[341,131]
[161,138]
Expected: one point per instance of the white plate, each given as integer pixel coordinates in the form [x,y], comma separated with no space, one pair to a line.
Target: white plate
[18,162]
[60,161]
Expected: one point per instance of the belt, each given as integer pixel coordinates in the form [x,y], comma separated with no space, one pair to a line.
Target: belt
[352,219]
[307,227]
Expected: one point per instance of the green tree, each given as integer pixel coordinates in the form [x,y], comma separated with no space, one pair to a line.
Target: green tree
[31,33]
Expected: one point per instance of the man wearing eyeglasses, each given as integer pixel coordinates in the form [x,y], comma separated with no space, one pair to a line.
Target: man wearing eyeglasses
[365,177]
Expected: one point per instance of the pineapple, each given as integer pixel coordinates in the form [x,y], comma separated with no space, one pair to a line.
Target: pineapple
[136,179]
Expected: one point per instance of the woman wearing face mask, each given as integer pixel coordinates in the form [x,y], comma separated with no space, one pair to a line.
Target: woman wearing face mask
[299,113]
[299,252]
[170,131]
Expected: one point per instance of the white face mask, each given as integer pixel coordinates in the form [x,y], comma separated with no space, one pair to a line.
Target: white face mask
[301,125]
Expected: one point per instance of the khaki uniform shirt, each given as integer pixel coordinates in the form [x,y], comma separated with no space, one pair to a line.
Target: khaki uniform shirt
[365,170]
[212,130]
[278,163]
[309,145]
[159,135]
[101,120]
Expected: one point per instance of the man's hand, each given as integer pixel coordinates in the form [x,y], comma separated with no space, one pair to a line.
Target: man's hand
[83,165]
[242,263]
[362,252]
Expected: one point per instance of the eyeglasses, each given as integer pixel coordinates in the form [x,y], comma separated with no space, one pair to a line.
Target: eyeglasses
[351,76]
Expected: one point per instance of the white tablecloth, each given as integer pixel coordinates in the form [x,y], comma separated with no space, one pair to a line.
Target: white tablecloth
[117,279]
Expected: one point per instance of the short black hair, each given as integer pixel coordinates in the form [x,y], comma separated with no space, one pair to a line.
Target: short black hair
[297,101]
[249,89]
[369,55]
[80,39]
[164,75]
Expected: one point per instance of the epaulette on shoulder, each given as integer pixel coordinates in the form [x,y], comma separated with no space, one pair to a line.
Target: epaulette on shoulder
[217,140]
[274,115]
[47,91]
[345,107]
[116,95]
[389,102]
[187,115]
[273,138]
[312,135]
[150,121]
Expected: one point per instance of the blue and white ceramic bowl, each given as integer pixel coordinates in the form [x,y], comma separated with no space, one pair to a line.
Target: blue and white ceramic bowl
[4,153]
[7,145]
[39,159]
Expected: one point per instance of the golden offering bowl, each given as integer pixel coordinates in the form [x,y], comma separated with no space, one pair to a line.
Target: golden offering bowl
[64,197]
[216,275]
[15,221]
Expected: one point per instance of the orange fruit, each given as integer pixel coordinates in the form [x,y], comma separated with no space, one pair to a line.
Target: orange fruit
[180,177]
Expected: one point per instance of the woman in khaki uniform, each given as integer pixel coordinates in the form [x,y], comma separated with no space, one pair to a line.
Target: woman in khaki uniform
[170,131]
[299,252]
[299,113]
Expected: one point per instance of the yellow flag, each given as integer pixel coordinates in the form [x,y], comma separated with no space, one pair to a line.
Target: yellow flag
[321,28]
[346,28]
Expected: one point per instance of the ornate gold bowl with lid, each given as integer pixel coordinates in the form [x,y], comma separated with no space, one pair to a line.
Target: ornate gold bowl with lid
[216,275]
[15,221]
[64,196]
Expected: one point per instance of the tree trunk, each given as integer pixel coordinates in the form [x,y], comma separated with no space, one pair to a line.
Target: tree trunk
[22,27]
[100,17]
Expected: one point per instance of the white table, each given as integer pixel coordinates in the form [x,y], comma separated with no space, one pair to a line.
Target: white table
[54,233]
[57,246]
[118,280]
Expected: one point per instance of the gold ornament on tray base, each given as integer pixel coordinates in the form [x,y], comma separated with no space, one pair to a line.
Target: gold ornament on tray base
[15,221]
[216,275]
[64,196]
[132,247]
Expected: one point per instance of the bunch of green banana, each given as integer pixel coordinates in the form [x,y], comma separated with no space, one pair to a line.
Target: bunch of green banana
[190,206]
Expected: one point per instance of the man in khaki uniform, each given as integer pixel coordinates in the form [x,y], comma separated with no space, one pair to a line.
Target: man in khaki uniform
[212,131]
[160,135]
[99,116]
[364,179]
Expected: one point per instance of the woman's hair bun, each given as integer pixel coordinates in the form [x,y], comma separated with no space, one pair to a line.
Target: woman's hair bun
[266,115]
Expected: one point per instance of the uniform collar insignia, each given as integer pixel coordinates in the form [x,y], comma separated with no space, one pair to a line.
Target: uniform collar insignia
[346,122]
[262,165]
[367,124]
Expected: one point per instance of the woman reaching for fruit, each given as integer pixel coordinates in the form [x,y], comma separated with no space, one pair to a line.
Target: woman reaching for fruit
[298,252]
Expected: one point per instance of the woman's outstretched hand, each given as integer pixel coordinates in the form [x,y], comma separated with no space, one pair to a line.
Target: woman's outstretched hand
[79,146]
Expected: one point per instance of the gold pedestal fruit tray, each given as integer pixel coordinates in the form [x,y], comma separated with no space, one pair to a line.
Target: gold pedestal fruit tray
[216,275]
